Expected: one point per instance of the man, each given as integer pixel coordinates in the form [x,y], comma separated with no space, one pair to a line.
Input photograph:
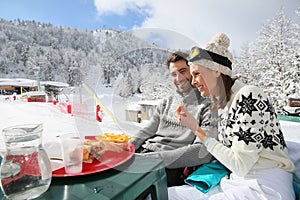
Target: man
[165,138]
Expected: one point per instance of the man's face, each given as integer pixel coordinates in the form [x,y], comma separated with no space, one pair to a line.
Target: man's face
[181,77]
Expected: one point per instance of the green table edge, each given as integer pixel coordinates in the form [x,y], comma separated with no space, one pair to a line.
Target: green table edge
[289,118]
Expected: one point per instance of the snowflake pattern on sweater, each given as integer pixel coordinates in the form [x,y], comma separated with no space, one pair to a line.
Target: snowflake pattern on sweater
[249,134]
[251,118]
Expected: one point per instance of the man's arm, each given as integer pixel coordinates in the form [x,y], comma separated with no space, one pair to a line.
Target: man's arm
[149,130]
[187,156]
[193,154]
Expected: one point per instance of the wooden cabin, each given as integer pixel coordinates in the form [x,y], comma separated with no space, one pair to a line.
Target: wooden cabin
[17,86]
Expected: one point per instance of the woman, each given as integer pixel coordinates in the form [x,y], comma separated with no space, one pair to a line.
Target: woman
[250,141]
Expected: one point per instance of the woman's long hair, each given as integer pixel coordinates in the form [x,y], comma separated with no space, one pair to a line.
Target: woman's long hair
[224,83]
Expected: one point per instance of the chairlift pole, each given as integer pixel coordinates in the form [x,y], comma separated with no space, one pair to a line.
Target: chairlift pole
[37,72]
[38,83]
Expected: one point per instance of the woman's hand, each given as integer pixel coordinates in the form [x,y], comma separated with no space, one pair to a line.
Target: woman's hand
[186,119]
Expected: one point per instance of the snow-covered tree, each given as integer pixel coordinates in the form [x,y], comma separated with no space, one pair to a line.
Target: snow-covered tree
[124,86]
[272,60]
[132,66]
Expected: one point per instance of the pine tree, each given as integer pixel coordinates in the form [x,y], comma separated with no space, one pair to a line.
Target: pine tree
[274,55]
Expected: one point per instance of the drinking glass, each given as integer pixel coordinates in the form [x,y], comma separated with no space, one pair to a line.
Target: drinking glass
[72,152]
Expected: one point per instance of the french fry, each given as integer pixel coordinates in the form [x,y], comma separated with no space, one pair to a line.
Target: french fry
[182,104]
[113,137]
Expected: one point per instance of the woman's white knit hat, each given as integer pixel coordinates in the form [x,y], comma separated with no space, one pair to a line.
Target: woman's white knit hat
[217,58]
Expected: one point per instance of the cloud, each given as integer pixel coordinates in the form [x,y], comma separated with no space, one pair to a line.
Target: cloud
[164,38]
[200,20]
[120,7]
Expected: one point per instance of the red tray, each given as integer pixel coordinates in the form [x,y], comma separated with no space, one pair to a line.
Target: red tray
[109,160]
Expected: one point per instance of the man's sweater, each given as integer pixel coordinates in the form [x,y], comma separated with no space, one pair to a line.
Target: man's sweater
[250,136]
[176,145]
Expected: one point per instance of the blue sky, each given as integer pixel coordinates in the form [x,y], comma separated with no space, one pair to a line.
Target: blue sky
[81,14]
[195,20]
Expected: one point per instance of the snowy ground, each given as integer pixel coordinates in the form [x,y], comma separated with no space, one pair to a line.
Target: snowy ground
[56,122]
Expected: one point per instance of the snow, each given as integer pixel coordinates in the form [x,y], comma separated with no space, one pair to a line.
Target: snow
[18,82]
[34,93]
[29,82]
[54,83]
[291,130]
[149,102]
[56,122]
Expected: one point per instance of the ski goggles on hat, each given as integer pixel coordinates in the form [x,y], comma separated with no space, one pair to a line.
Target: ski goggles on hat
[198,54]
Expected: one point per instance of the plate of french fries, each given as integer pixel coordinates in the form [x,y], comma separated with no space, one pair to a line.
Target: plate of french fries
[121,140]
[102,152]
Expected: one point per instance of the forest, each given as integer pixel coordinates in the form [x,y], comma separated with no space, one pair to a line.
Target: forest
[111,57]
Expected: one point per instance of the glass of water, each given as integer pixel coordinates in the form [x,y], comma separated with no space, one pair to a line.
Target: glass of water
[72,152]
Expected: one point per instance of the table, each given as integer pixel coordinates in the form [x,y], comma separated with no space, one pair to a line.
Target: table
[135,179]
[289,118]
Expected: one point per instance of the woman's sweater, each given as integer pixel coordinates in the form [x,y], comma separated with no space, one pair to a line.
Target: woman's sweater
[249,133]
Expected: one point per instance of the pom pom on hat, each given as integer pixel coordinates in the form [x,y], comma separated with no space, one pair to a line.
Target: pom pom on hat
[221,39]
[219,44]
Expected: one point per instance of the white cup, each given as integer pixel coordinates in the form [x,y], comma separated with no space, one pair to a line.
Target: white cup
[72,152]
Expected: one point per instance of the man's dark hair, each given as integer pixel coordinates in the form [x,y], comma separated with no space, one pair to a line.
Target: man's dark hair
[176,56]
